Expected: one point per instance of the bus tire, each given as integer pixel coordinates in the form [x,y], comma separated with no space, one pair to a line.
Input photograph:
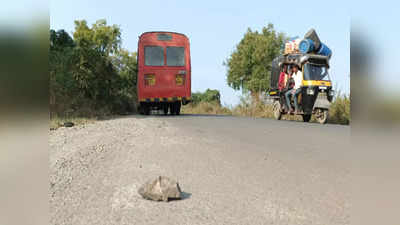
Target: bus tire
[178,108]
[140,110]
[146,109]
[165,109]
[172,108]
[306,118]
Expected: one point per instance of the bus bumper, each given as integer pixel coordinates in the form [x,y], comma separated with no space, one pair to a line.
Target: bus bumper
[184,100]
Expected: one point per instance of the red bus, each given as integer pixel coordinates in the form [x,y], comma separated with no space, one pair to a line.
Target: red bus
[164,72]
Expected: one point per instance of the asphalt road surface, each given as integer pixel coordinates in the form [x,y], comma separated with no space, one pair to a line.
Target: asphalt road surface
[232,170]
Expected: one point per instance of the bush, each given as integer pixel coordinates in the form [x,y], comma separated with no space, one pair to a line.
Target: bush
[206,108]
[209,96]
[249,107]
[339,113]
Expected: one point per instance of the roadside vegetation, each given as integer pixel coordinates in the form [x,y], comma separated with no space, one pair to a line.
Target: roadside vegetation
[339,112]
[208,102]
[91,76]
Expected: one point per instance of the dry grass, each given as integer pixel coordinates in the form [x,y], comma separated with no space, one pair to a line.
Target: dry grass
[339,113]
[81,112]
[249,108]
[206,108]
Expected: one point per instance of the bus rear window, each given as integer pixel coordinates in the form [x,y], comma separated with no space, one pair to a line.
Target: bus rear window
[175,56]
[154,56]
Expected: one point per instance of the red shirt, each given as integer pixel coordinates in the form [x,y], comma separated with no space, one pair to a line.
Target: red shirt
[281,83]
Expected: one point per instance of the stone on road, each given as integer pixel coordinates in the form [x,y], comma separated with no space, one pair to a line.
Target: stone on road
[160,189]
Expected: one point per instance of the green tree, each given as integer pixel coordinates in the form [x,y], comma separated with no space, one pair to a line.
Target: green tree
[95,73]
[125,63]
[62,58]
[102,38]
[249,66]
[59,40]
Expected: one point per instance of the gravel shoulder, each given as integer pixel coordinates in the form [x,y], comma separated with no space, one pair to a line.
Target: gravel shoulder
[232,171]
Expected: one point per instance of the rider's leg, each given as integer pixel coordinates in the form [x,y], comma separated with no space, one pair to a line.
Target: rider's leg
[288,95]
[296,95]
[283,102]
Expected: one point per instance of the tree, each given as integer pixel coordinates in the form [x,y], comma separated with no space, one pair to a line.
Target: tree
[61,66]
[125,63]
[249,66]
[95,73]
[60,40]
[102,38]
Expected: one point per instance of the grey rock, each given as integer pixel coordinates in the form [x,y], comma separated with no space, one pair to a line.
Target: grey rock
[69,124]
[161,189]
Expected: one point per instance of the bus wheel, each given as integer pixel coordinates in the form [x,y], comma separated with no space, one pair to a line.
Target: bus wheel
[165,109]
[178,108]
[140,110]
[172,108]
[322,116]
[277,110]
[146,109]
[306,118]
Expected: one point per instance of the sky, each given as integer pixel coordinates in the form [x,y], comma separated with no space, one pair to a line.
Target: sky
[215,28]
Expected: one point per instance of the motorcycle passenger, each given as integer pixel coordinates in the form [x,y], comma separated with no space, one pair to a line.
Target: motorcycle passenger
[298,80]
[283,77]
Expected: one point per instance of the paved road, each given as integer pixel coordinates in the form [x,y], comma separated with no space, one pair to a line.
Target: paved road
[233,170]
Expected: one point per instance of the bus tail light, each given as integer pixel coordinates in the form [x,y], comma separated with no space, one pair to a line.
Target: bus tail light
[149,80]
[180,79]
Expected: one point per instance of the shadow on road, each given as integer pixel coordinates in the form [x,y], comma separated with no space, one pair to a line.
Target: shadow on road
[186,195]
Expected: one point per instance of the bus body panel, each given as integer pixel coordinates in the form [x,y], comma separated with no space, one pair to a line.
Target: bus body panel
[165,87]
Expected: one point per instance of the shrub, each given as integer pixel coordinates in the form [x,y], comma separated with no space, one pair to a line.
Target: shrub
[339,112]
[210,96]
[206,108]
